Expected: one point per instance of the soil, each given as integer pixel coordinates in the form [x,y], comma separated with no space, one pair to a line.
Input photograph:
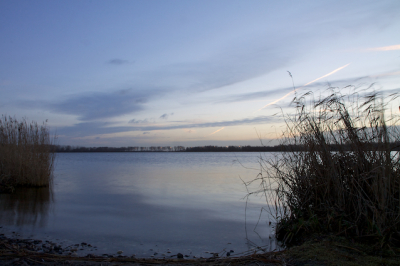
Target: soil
[318,251]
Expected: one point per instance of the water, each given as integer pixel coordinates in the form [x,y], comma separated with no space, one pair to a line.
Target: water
[145,203]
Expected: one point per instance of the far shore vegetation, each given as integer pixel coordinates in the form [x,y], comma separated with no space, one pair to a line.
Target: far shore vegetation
[26,156]
[395,146]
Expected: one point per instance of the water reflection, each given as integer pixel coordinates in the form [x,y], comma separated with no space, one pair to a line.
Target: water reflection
[26,206]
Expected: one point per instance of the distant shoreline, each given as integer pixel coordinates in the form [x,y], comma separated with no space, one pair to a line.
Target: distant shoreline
[277,148]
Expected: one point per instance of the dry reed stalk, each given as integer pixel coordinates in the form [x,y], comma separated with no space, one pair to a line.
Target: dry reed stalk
[341,171]
[26,158]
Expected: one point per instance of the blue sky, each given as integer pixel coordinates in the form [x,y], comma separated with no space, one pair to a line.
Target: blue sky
[143,73]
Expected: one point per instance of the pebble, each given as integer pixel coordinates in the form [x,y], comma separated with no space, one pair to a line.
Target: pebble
[179,256]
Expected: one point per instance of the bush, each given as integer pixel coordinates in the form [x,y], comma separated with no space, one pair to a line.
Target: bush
[26,158]
[340,174]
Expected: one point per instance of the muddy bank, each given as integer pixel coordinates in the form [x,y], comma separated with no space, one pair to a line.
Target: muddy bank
[15,251]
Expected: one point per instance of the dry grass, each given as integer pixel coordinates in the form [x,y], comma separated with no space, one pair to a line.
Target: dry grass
[26,158]
[340,174]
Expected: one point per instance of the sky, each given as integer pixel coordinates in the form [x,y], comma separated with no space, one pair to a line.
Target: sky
[190,73]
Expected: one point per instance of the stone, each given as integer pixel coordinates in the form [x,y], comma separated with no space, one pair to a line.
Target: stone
[179,256]
[119,252]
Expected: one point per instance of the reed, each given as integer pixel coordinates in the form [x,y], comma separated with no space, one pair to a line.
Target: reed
[26,157]
[341,172]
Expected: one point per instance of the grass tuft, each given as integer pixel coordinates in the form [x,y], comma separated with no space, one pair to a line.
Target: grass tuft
[26,158]
[340,174]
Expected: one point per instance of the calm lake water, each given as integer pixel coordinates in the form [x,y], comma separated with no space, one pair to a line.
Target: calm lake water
[145,203]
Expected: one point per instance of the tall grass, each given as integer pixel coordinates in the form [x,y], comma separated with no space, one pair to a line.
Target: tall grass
[340,174]
[26,158]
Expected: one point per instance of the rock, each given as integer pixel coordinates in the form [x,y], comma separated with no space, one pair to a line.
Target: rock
[119,252]
[179,256]
[231,251]
[228,254]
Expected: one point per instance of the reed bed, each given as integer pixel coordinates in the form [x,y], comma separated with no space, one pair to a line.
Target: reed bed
[340,174]
[26,157]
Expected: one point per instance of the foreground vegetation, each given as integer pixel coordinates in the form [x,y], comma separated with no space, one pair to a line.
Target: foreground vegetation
[352,191]
[26,158]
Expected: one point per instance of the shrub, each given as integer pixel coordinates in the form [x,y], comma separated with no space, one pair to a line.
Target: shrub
[26,158]
[341,171]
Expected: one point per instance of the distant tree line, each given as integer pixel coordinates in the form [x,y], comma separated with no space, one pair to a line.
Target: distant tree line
[278,148]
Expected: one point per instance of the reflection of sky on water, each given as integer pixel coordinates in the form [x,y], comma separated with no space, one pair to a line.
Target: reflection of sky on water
[140,201]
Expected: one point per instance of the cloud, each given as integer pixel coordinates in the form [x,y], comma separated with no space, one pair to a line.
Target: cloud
[164,116]
[94,106]
[117,61]
[97,128]
[217,131]
[250,96]
[140,121]
[384,48]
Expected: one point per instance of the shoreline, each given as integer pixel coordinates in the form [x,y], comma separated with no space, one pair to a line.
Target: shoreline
[317,251]
[16,251]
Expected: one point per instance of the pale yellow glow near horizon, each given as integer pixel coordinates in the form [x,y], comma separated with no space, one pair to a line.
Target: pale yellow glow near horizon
[216,131]
[384,48]
[324,76]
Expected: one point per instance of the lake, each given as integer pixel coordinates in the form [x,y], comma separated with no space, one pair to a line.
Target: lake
[145,203]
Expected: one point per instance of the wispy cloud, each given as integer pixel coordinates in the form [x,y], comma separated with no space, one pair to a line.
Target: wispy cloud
[99,128]
[94,106]
[165,116]
[140,121]
[294,90]
[327,75]
[217,131]
[117,62]
[384,48]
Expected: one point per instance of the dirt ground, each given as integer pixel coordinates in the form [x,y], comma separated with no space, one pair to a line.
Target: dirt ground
[320,251]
